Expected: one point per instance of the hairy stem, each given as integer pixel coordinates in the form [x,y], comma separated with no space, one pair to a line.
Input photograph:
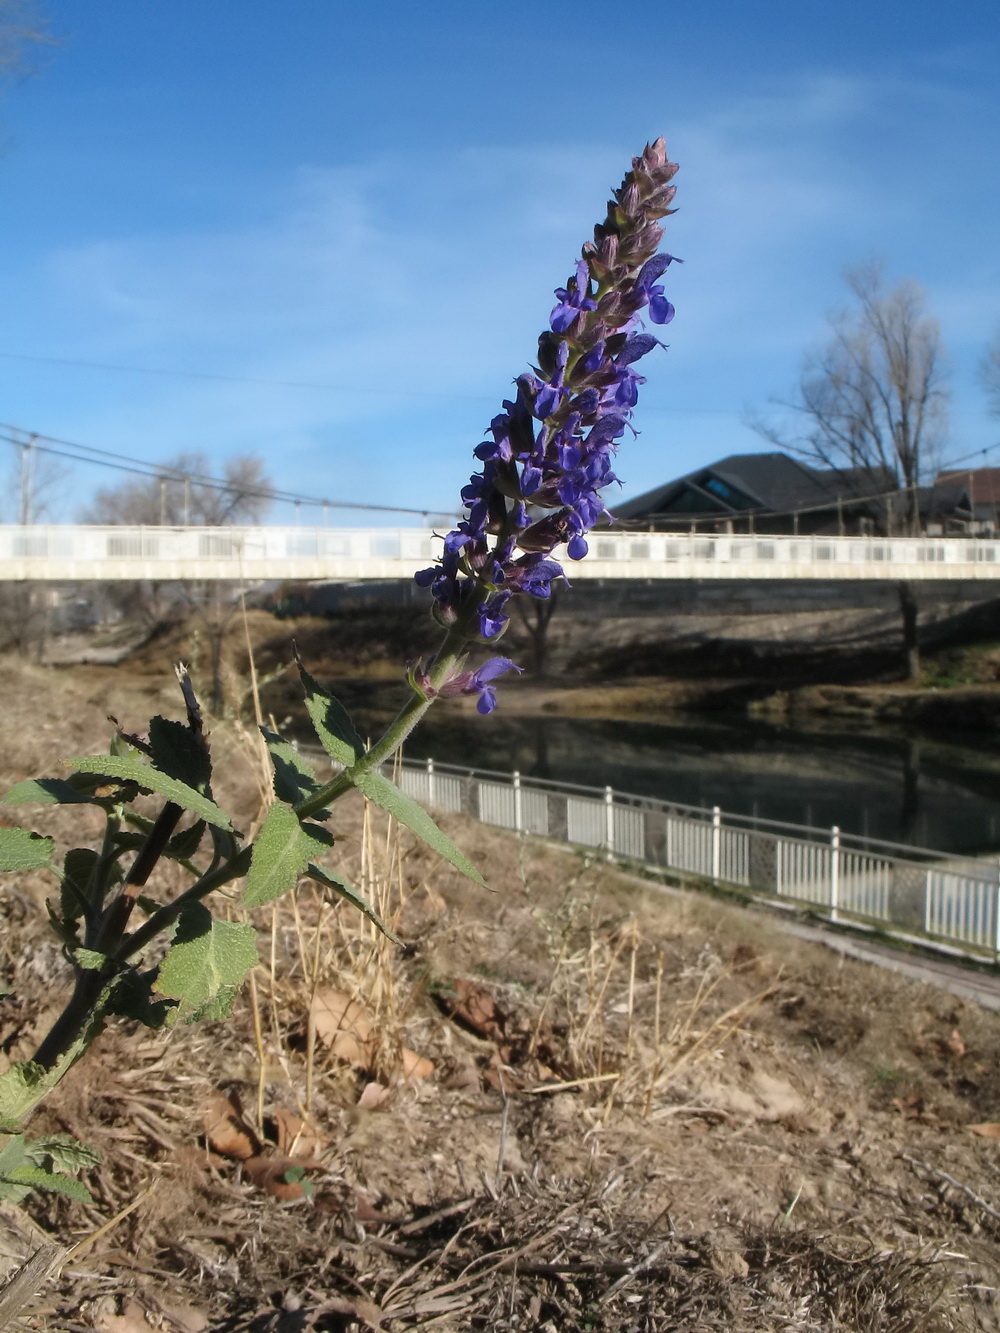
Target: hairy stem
[452,647]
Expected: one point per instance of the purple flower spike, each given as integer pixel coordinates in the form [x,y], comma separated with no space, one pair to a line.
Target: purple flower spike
[552,447]
[572,299]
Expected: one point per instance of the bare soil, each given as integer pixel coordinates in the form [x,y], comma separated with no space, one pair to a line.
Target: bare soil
[643,1111]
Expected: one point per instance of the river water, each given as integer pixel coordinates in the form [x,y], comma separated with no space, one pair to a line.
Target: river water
[920,790]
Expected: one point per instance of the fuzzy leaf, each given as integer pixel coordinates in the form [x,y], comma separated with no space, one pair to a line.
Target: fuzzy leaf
[281,853]
[179,753]
[20,849]
[90,960]
[415,817]
[46,791]
[332,724]
[132,768]
[62,1152]
[133,998]
[12,1154]
[294,780]
[182,846]
[16,1184]
[19,1086]
[205,957]
[78,869]
[333,880]
[216,1009]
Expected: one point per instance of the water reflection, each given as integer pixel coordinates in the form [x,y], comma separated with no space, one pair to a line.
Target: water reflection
[908,789]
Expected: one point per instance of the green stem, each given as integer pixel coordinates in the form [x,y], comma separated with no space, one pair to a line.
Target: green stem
[167,914]
[84,1005]
[454,644]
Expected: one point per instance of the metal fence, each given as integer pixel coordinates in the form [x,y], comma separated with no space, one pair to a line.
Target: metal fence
[67,551]
[911,893]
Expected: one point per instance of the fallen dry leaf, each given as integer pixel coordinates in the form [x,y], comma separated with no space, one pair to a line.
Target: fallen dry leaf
[186,1318]
[414,1065]
[367,1311]
[296,1137]
[989,1129]
[472,1005]
[466,1077]
[342,1024]
[372,1096]
[131,1320]
[365,1210]
[226,1129]
[956,1044]
[268,1173]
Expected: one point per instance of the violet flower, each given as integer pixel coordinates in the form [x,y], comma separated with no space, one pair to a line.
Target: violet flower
[467,682]
[552,446]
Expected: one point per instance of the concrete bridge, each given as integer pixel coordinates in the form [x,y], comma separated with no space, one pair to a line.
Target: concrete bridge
[87,554]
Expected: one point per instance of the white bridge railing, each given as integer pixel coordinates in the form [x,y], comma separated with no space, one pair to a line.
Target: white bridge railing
[911,893]
[84,553]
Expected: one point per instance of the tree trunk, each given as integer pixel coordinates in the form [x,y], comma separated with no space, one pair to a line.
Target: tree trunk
[911,639]
[535,615]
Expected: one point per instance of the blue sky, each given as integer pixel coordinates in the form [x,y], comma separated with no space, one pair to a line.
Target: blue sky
[378,200]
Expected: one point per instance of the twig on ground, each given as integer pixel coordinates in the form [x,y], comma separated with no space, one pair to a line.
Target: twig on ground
[956,1184]
[634,1272]
[503,1129]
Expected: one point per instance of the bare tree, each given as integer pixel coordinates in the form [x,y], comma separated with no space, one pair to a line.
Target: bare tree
[873,400]
[989,372]
[873,403]
[535,616]
[182,495]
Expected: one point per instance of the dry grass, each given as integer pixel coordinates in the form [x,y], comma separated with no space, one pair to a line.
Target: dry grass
[648,1112]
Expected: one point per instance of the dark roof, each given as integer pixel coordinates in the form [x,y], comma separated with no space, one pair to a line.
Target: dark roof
[771,483]
[982,482]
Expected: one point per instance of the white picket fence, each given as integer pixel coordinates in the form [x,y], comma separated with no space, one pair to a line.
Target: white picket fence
[912,893]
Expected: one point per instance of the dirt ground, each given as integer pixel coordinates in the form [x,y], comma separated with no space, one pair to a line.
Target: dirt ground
[562,1104]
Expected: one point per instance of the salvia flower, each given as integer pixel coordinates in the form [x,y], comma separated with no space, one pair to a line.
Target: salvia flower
[549,453]
[466,682]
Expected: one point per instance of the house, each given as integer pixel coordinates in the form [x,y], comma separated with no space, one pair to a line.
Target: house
[967,501]
[767,493]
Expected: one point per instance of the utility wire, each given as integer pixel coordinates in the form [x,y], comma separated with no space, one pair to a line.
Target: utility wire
[240,379]
[163,472]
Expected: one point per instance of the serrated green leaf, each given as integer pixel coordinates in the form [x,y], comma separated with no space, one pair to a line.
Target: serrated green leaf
[415,817]
[36,1177]
[331,721]
[132,768]
[89,959]
[182,846]
[179,753]
[124,841]
[12,1154]
[335,881]
[216,1009]
[63,1152]
[132,997]
[294,780]
[19,1085]
[205,957]
[45,791]
[78,870]
[20,849]
[66,930]
[280,855]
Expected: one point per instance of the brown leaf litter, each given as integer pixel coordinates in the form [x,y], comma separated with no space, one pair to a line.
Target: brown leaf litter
[568,1105]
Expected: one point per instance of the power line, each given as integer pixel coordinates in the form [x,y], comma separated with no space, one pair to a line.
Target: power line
[240,379]
[164,472]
